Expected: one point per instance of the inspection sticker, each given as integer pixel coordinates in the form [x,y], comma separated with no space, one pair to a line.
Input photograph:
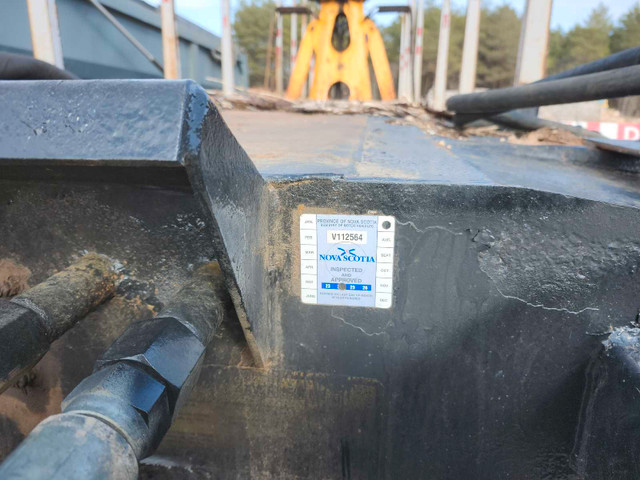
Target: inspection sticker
[347,259]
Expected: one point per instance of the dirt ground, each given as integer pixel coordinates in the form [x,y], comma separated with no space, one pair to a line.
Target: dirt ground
[397,112]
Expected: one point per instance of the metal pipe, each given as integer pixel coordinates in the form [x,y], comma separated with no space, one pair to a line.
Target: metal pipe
[33,320]
[610,84]
[294,10]
[119,414]
[390,9]
[127,35]
[625,58]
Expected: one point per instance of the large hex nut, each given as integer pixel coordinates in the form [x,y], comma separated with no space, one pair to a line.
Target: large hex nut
[167,348]
[23,341]
[128,399]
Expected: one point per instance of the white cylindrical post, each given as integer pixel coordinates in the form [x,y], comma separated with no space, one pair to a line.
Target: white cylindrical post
[401,70]
[170,51]
[294,39]
[408,56]
[534,41]
[470,47]
[303,29]
[227,50]
[45,32]
[404,64]
[417,53]
[440,83]
[279,77]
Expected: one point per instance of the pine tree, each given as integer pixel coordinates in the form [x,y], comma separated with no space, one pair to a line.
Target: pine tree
[555,51]
[498,47]
[391,36]
[627,34]
[251,31]
[584,43]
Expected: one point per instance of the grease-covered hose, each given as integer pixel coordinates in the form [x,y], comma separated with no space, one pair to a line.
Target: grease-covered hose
[23,67]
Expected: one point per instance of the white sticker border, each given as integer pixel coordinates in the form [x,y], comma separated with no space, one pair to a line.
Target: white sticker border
[384,268]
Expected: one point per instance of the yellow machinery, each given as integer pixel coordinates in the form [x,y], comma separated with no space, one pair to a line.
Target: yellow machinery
[342,39]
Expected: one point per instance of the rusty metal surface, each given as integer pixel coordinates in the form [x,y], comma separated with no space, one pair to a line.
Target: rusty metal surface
[137,387]
[33,319]
[156,234]
[64,298]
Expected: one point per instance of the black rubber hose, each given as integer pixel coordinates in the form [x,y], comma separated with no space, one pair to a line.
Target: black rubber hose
[625,58]
[120,413]
[23,67]
[620,82]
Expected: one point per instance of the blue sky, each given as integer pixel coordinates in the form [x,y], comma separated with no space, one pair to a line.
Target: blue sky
[565,13]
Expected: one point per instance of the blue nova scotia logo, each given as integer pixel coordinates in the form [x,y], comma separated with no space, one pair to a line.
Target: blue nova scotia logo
[347,256]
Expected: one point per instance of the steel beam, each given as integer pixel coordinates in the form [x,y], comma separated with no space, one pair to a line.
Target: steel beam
[114,21]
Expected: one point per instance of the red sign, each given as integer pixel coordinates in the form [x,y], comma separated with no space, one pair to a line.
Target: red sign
[614,130]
